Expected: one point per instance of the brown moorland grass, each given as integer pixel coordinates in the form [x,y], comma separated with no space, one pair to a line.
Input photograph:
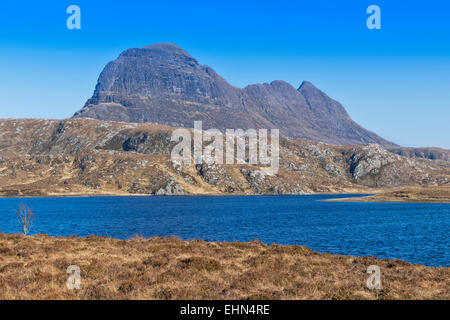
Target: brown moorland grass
[35,267]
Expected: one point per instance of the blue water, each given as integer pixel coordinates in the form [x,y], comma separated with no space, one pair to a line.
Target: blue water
[418,233]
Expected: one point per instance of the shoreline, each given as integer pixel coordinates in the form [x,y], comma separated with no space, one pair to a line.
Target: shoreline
[177,196]
[34,267]
[433,194]
[374,199]
[362,197]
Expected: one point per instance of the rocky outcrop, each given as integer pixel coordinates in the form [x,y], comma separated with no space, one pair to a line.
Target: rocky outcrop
[163,84]
[369,160]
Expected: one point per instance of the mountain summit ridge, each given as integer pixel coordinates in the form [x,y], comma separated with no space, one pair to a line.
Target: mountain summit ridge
[162,83]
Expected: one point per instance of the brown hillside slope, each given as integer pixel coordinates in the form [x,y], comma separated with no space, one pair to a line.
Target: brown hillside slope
[86,157]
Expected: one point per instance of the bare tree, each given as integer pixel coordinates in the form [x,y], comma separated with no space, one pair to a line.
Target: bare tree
[25,216]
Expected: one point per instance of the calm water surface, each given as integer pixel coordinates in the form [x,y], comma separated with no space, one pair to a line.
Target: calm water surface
[418,233]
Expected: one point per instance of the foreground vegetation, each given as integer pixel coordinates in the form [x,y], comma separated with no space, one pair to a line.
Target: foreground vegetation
[160,268]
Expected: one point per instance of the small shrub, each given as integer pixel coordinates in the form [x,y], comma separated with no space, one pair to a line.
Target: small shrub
[25,217]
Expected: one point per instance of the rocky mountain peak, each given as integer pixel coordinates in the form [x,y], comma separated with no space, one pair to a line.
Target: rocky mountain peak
[308,90]
[161,53]
[307,85]
[162,83]
[165,46]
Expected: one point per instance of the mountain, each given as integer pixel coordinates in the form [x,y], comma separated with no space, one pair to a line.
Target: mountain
[92,157]
[427,153]
[163,84]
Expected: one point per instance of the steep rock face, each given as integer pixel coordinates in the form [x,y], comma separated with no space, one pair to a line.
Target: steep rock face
[332,121]
[369,159]
[163,84]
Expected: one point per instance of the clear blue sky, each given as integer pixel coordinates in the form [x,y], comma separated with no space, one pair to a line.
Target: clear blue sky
[394,81]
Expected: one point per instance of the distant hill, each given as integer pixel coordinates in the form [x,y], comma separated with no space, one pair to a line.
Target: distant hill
[427,153]
[41,157]
[163,84]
